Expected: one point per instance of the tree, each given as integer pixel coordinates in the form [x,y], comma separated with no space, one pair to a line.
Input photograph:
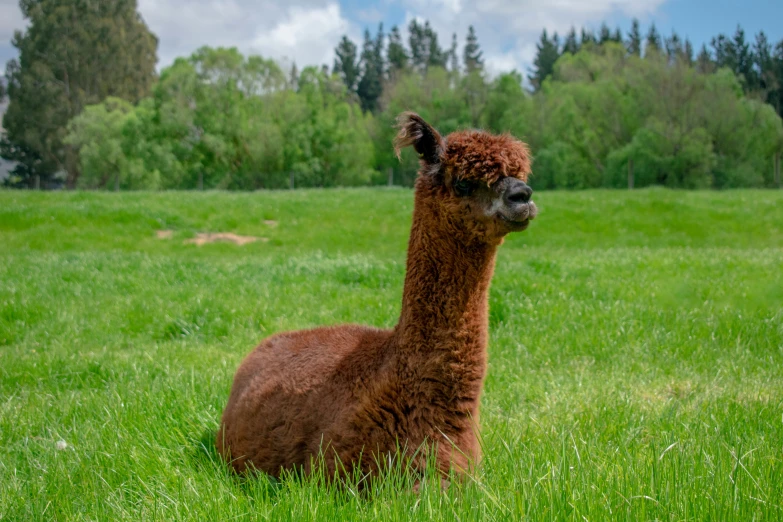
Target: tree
[396,55]
[371,83]
[652,45]
[674,49]
[604,34]
[587,37]
[73,53]
[735,54]
[688,52]
[436,57]
[424,47]
[546,56]
[419,45]
[635,39]
[472,54]
[346,64]
[571,44]
[704,62]
[453,56]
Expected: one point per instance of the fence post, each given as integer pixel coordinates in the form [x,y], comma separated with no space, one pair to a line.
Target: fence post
[200,180]
[391,176]
[777,170]
[630,173]
[291,180]
[117,182]
[37,182]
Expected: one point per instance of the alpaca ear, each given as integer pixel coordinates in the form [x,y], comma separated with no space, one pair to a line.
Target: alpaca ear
[413,130]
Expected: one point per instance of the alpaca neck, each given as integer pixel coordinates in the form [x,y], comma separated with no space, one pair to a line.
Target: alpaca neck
[445,298]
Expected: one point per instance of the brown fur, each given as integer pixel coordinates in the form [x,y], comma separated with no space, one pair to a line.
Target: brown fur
[359,393]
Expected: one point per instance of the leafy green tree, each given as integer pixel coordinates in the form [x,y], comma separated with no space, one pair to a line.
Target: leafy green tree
[506,104]
[472,54]
[72,54]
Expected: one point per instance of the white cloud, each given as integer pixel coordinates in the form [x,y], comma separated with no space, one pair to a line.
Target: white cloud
[305,31]
[10,21]
[509,29]
[307,36]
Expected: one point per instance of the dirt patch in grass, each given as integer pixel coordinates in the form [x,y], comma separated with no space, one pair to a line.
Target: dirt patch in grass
[227,237]
[270,223]
[164,234]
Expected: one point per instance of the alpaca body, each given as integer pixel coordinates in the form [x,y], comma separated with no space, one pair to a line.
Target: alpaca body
[338,390]
[359,394]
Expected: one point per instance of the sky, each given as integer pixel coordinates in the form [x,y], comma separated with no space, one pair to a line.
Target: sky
[307,31]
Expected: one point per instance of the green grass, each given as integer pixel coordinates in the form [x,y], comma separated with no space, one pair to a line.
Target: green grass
[636,358]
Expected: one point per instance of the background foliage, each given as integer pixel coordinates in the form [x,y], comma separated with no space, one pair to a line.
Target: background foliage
[599,110]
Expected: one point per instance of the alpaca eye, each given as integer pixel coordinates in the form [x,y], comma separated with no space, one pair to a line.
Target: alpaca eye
[463,187]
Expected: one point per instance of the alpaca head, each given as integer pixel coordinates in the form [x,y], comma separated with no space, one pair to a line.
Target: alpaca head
[477,180]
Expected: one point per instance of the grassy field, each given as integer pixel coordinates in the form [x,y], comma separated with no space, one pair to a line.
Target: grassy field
[636,358]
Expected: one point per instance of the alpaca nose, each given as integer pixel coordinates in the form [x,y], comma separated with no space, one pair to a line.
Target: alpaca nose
[518,193]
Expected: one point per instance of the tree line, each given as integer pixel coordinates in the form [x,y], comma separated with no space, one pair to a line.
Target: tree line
[598,109]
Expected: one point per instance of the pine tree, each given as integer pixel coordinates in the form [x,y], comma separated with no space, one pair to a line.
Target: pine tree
[435,55]
[688,52]
[674,48]
[704,62]
[652,45]
[346,64]
[378,53]
[396,55]
[370,85]
[293,78]
[453,57]
[777,68]
[764,67]
[735,54]
[472,54]
[604,35]
[544,63]
[635,39]
[744,57]
[72,54]
[571,44]
[587,37]
[617,36]
[419,46]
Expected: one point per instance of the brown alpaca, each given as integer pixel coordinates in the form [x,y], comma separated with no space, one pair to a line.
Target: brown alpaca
[358,394]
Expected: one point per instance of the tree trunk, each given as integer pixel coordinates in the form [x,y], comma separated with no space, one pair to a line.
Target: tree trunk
[117,182]
[777,170]
[291,181]
[391,176]
[630,173]
[37,184]
[201,180]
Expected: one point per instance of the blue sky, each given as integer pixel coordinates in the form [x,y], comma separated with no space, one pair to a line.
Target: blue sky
[306,31]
